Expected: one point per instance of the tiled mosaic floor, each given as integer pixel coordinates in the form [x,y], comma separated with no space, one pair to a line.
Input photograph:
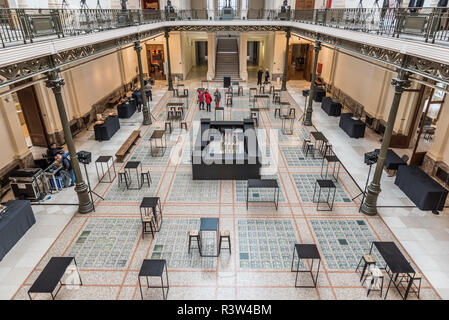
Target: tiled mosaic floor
[143,154]
[171,244]
[343,242]
[266,243]
[116,193]
[188,190]
[305,184]
[106,243]
[256,194]
[296,158]
[109,248]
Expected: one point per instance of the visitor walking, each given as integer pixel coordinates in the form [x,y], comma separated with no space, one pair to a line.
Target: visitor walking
[148,91]
[208,98]
[200,99]
[259,77]
[217,98]
[267,76]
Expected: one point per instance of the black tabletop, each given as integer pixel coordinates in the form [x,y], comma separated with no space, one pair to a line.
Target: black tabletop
[50,276]
[318,135]
[152,268]
[103,158]
[307,251]
[393,257]
[149,202]
[157,134]
[262,183]
[325,183]
[262,96]
[174,104]
[392,158]
[219,108]
[132,165]
[209,224]
[332,159]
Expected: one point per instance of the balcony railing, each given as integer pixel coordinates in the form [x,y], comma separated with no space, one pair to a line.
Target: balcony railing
[18,26]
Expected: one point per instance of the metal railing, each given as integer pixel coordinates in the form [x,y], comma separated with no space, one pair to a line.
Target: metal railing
[19,26]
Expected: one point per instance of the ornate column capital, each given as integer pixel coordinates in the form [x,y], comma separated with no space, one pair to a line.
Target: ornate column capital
[167,33]
[400,84]
[317,46]
[137,46]
[55,83]
[288,33]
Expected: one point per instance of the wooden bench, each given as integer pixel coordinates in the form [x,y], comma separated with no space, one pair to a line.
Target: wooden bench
[121,153]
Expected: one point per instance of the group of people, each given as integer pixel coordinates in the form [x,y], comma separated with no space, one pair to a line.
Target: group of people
[137,95]
[55,155]
[205,97]
[260,75]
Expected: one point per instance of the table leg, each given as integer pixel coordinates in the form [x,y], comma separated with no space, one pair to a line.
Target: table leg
[247,193]
[140,286]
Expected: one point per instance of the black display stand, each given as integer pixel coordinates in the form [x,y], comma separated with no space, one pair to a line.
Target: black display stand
[226,166]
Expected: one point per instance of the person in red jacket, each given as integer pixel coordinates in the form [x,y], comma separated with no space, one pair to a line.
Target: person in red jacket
[201,99]
[208,98]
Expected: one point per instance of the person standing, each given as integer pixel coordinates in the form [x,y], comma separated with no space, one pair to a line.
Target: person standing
[148,91]
[259,77]
[200,99]
[217,98]
[139,100]
[267,76]
[208,99]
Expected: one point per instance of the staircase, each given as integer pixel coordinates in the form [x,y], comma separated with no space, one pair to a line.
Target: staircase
[227,60]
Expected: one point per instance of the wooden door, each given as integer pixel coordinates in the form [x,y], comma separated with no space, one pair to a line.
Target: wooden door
[33,117]
[305,4]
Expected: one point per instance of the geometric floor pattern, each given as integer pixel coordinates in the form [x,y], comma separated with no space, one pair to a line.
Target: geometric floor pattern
[266,243]
[171,244]
[143,154]
[305,184]
[188,190]
[296,158]
[262,238]
[258,194]
[106,243]
[343,242]
[122,194]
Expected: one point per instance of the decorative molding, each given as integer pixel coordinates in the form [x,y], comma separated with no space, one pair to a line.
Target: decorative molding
[240,28]
[23,70]
[10,74]
[427,68]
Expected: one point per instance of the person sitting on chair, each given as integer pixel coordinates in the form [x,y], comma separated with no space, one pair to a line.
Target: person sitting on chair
[67,165]
[52,151]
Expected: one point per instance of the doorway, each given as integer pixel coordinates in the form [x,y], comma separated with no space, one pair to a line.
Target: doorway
[30,117]
[428,122]
[150,4]
[299,62]
[201,53]
[155,54]
[253,53]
